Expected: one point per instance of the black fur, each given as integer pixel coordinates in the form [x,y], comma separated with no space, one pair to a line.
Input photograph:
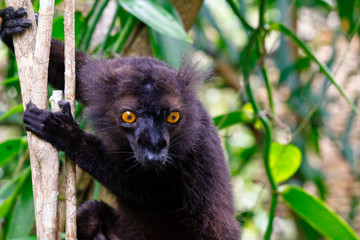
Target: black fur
[184,196]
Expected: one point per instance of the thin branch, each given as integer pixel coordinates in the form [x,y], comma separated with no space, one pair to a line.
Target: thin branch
[70,174]
[24,46]
[325,70]
[269,90]
[46,155]
[238,14]
[55,171]
[21,163]
[260,32]
[310,114]
[32,59]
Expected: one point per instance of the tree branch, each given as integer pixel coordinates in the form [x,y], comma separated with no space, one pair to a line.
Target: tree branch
[32,58]
[70,170]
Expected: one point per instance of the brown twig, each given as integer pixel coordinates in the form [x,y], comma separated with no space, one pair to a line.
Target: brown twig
[32,59]
[229,74]
[70,177]
[46,155]
[54,99]
[24,46]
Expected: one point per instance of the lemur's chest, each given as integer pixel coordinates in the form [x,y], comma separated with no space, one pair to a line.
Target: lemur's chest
[163,226]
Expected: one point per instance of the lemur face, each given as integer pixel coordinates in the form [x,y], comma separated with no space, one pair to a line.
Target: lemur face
[149,111]
[149,127]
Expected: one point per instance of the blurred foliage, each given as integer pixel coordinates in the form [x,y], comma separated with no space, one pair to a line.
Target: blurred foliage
[253,46]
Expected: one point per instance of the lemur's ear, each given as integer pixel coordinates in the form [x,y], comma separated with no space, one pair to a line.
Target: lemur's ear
[191,73]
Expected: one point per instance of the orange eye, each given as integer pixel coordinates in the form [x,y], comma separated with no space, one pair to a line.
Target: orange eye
[128,117]
[173,117]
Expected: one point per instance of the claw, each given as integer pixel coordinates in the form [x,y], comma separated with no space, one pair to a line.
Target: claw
[12,23]
[65,106]
[62,103]
[30,105]
[5,11]
[27,22]
[21,12]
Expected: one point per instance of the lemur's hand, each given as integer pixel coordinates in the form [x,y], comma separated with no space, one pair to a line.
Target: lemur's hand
[13,22]
[59,128]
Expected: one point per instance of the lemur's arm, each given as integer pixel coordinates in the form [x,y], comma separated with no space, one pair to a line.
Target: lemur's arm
[60,129]
[14,22]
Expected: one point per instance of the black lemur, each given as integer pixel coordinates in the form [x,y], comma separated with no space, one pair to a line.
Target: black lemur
[155,148]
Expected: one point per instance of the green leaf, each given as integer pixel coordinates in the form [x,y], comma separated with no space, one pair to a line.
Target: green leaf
[125,33]
[90,23]
[8,189]
[24,238]
[106,43]
[16,109]
[346,12]
[285,160]
[58,28]
[223,43]
[96,190]
[23,218]
[166,48]
[9,150]
[8,204]
[239,15]
[249,113]
[282,28]
[246,114]
[10,81]
[317,214]
[58,2]
[229,119]
[156,17]
[5,207]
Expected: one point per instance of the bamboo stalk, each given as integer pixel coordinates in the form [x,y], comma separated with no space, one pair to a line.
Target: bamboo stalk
[70,175]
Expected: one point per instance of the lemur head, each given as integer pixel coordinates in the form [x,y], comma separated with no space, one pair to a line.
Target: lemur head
[149,105]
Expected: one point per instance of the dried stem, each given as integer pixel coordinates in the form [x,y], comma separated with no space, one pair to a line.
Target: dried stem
[24,46]
[54,174]
[32,59]
[70,175]
[46,155]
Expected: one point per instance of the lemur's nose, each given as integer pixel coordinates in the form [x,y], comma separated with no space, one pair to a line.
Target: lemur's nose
[155,158]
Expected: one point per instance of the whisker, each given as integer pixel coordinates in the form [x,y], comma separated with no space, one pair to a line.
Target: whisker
[172,141]
[129,158]
[174,145]
[170,162]
[132,166]
[103,129]
[181,135]
[122,152]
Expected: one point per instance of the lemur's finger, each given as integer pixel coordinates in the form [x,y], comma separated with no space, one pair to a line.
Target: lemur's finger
[11,31]
[32,107]
[16,23]
[36,129]
[2,12]
[62,103]
[37,114]
[7,12]
[20,13]
[65,106]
